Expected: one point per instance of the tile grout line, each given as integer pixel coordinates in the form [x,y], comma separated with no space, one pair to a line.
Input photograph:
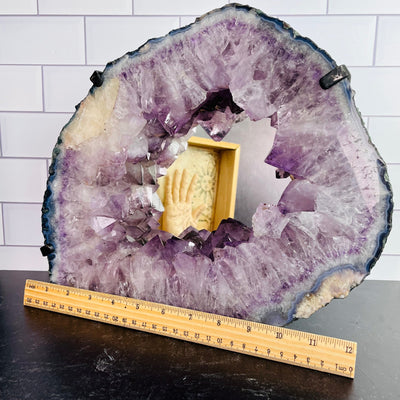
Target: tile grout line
[21,245]
[55,16]
[48,163]
[42,77]
[366,121]
[35,112]
[325,12]
[375,42]
[1,142]
[380,116]
[28,203]
[49,65]
[194,15]
[24,158]
[84,38]
[99,65]
[3,227]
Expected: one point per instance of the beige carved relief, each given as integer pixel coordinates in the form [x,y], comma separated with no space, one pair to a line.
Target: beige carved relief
[188,191]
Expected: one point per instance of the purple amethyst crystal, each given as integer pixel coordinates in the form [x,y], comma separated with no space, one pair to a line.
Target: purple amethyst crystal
[101,210]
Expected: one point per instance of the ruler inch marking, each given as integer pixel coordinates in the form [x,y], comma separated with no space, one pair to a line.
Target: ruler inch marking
[308,350]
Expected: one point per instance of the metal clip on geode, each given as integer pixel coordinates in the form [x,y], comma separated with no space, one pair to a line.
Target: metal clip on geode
[321,239]
[46,250]
[97,78]
[334,76]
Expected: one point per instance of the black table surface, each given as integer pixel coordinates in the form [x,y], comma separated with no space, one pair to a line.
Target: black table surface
[44,355]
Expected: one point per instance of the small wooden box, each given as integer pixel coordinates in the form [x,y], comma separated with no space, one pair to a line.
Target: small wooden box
[216,165]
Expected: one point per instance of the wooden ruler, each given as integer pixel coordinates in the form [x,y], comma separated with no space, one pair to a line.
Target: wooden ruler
[322,353]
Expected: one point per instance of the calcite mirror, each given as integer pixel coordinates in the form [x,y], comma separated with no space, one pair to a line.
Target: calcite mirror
[101,210]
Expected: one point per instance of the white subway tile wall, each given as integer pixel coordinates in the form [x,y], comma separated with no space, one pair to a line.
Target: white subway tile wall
[108,38]
[21,227]
[20,7]
[31,135]
[377,90]
[363,7]
[49,48]
[22,258]
[385,134]
[1,227]
[72,81]
[388,41]
[20,88]
[44,40]
[175,7]
[22,179]
[85,7]
[354,36]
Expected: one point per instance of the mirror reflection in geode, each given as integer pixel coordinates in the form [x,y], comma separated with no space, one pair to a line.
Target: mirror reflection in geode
[101,211]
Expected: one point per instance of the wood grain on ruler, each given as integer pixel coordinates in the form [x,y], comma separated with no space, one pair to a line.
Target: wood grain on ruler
[298,348]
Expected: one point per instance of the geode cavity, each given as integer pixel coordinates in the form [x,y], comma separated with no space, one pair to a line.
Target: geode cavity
[101,210]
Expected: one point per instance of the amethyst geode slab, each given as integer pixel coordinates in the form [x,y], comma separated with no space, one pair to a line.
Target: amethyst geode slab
[101,210]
